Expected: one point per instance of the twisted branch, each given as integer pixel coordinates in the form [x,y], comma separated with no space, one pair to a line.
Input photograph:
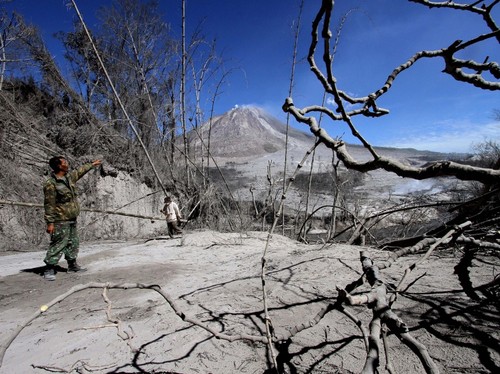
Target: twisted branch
[114,212]
[378,300]
[433,170]
[453,66]
[127,286]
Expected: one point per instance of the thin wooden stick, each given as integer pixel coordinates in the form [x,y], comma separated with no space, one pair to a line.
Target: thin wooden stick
[126,286]
[35,205]
[267,318]
[129,120]
[444,239]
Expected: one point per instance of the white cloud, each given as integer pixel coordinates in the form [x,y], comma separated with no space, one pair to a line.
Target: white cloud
[446,137]
[330,101]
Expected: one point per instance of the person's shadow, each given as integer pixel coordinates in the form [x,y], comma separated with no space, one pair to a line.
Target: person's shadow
[39,270]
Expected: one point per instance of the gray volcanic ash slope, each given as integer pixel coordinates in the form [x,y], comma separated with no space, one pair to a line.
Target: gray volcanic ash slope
[247,140]
[246,131]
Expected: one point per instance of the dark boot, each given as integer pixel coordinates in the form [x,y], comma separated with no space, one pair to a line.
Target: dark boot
[49,273]
[74,267]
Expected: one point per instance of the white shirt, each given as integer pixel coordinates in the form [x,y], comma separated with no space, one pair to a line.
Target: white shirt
[171,212]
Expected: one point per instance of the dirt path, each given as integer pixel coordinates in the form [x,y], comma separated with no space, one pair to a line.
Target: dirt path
[215,278]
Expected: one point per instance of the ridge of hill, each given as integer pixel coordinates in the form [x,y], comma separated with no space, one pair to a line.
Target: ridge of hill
[245,132]
[249,143]
[251,132]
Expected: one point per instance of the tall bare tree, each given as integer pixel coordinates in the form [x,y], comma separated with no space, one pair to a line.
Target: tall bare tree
[138,52]
[456,67]
[183,88]
[13,52]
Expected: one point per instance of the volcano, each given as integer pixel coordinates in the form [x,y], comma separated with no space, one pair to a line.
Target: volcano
[246,132]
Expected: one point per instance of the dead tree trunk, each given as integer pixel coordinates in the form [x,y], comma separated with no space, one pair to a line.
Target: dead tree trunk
[378,301]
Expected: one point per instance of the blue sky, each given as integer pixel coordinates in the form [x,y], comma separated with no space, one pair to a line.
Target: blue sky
[428,109]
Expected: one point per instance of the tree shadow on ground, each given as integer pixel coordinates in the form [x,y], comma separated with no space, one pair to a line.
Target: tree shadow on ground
[455,321]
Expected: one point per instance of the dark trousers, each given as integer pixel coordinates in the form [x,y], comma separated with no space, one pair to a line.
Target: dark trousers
[173,228]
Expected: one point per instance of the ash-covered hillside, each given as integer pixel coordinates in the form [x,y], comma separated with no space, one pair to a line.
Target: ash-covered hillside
[36,125]
[248,143]
[246,132]
[251,132]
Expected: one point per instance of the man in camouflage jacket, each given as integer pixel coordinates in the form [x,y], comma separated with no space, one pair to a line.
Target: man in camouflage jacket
[61,212]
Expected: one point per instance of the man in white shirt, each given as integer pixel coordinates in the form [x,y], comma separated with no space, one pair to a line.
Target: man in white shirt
[173,215]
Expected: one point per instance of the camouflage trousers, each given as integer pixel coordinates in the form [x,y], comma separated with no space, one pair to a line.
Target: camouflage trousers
[64,240]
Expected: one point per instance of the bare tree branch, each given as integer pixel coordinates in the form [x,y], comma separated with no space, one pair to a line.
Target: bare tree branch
[378,301]
[436,169]
[125,286]
[453,66]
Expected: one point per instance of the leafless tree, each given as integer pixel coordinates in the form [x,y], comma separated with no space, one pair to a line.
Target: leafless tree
[12,50]
[481,74]
[297,27]
[138,53]
[457,68]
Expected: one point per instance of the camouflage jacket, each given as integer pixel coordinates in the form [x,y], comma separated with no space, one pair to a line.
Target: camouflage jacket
[61,196]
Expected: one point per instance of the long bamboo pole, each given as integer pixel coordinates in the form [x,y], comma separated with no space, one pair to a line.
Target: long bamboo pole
[35,205]
[120,103]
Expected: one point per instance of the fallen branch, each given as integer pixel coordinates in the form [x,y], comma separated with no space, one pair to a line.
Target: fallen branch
[377,300]
[388,362]
[433,243]
[126,286]
[35,205]
[319,316]
[406,251]
[77,365]
[118,323]
[478,243]
[446,238]
[92,327]
[335,306]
